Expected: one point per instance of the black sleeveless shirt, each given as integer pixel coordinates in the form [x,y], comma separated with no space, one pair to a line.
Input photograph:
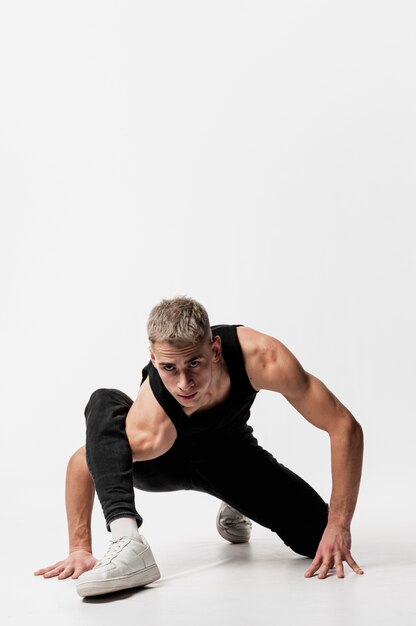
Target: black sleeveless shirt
[231,415]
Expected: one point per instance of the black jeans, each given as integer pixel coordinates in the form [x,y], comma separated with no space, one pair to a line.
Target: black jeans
[236,470]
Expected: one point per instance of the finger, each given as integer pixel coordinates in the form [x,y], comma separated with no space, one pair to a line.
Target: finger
[39,572]
[66,572]
[314,567]
[339,566]
[78,571]
[357,569]
[53,572]
[326,566]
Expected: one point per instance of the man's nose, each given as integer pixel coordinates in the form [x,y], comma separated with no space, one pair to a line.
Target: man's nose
[185,382]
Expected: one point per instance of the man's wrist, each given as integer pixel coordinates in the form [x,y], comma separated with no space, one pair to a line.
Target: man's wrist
[339,519]
[84,548]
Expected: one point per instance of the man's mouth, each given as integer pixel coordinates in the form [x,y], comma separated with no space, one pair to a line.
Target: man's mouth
[188,397]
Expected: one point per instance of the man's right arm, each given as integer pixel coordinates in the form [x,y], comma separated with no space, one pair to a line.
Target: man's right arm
[79,498]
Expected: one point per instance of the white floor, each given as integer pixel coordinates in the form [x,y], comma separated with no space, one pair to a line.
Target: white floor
[206,581]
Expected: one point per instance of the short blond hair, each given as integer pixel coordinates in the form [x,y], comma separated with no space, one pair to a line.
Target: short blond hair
[179,321]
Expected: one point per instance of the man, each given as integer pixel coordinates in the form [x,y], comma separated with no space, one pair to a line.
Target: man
[187,429]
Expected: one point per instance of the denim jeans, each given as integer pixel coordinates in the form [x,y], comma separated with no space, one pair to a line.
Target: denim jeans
[235,469]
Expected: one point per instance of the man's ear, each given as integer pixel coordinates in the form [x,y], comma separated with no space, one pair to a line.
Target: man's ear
[216,348]
[152,355]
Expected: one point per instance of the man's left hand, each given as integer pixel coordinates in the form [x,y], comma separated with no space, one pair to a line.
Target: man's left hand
[333,549]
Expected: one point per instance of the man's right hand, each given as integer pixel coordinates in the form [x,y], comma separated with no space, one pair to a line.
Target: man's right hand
[74,565]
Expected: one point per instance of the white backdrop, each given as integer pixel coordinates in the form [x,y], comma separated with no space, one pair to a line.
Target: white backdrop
[258,156]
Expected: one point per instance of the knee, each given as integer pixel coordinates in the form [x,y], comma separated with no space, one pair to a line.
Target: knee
[107,400]
[98,399]
[99,395]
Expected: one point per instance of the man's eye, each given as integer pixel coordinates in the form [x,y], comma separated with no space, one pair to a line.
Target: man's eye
[194,364]
[168,368]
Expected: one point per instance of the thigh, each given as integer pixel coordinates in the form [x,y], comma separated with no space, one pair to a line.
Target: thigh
[250,479]
[169,472]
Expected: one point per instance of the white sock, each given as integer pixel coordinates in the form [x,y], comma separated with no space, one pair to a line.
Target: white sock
[124,527]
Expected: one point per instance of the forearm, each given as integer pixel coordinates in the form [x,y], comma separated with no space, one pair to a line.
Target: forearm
[79,498]
[347,444]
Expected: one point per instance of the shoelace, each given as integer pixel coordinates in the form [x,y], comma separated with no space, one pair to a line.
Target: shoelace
[114,548]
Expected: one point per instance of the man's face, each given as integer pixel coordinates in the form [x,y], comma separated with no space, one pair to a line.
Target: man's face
[186,371]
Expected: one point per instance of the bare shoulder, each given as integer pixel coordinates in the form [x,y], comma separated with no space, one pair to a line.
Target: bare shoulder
[258,345]
[269,363]
[146,400]
[146,414]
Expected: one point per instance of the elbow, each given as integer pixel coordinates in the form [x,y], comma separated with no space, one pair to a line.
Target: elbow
[347,426]
[355,437]
[356,428]
[352,430]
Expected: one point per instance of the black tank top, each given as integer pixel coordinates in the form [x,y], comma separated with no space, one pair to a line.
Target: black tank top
[228,417]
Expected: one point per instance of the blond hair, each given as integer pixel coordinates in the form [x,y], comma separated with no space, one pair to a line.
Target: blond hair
[179,321]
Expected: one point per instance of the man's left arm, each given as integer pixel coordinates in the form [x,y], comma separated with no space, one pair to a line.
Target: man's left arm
[270,365]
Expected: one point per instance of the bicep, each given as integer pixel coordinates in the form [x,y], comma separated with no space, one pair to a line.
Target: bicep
[275,368]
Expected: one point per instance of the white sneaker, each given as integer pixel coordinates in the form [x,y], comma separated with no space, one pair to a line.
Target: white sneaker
[233,525]
[127,563]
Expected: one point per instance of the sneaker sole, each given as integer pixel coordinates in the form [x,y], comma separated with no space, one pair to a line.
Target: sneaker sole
[233,538]
[228,536]
[137,579]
